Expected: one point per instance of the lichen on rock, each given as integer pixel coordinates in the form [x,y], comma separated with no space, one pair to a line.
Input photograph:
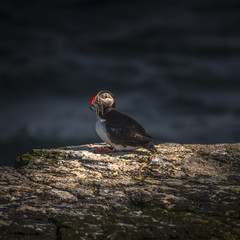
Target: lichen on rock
[183,192]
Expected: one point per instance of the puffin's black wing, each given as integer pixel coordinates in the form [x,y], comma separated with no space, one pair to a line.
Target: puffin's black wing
[124,130]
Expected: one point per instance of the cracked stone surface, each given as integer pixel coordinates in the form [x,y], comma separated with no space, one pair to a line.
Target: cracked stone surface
[182,192]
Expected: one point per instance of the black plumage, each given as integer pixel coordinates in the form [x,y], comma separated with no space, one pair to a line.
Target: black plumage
[125,131]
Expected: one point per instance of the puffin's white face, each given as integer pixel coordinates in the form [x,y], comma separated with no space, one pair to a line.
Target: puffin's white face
[101,100]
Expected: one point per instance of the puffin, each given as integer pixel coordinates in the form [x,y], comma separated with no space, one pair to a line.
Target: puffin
[118,130]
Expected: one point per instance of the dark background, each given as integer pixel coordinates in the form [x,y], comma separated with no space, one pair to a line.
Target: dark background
[173,65]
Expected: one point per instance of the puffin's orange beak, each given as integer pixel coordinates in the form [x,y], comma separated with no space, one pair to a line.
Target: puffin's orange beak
[93,100]
[92,103]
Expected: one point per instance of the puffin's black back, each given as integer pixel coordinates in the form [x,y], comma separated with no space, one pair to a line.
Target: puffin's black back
[124,130]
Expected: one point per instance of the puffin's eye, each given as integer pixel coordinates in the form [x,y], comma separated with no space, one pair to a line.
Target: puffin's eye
[104,96]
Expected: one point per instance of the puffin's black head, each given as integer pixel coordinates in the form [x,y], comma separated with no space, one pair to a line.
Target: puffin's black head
[102,101]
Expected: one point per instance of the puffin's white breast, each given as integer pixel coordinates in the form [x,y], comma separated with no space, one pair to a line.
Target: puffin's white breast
[102,131]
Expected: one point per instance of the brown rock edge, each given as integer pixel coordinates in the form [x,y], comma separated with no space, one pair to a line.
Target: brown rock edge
[183,192]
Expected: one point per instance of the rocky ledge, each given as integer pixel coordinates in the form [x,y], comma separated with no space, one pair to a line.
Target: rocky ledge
[183,192]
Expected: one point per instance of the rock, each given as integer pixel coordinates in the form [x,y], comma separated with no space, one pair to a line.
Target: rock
[183,192]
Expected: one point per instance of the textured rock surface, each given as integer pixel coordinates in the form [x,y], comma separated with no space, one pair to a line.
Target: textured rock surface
[184,192]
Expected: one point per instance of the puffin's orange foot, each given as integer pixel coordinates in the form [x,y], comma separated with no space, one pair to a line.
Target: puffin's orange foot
[104,151]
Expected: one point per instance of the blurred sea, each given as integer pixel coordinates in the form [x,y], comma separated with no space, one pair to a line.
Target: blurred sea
[173,66]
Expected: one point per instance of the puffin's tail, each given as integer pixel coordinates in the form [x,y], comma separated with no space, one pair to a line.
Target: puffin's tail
[151,148]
